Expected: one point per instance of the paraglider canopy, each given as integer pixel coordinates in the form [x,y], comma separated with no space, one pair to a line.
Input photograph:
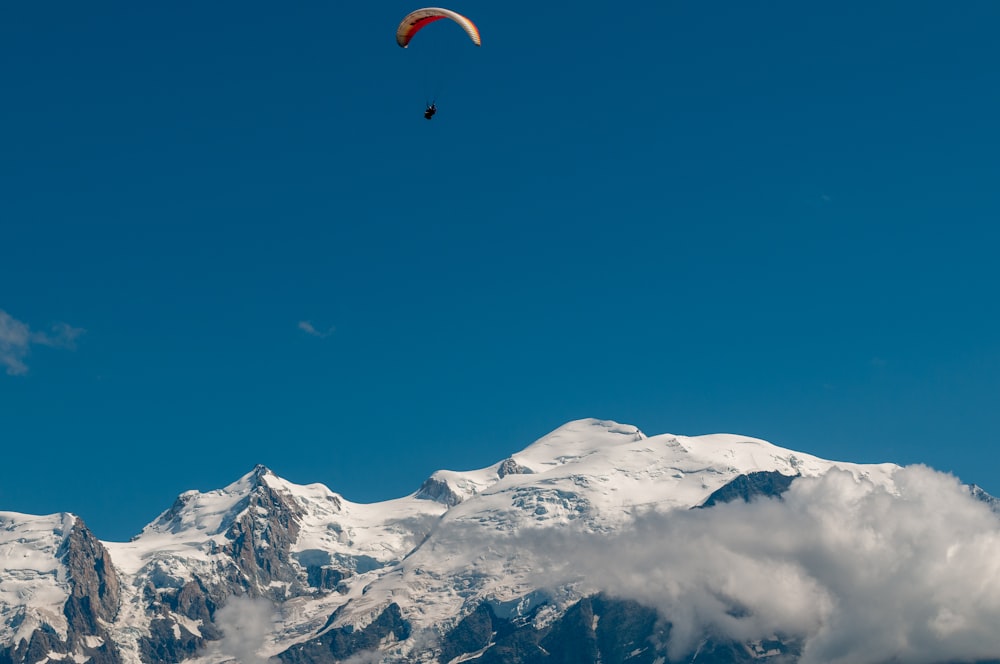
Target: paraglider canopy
[415,21]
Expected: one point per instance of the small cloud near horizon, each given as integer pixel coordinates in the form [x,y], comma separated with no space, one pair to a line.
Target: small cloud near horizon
[17,338]
[311,330]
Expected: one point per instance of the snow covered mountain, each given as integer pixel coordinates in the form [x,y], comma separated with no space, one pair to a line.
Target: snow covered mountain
[565,551]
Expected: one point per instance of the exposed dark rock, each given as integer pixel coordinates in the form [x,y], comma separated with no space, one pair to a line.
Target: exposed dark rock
[341,643]
[470,635]
[323,577]
[42,642]
[95,592]
[45,643]
[978,493]
[597,629]
[167,637]
[163,647]
[194,602]
[572,638]
[438,491]
[106,653]
[94,598]
[769,483]
[168,520]
[511,467]
[627,630]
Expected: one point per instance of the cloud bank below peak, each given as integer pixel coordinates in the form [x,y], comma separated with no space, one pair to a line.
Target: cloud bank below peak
[851,571]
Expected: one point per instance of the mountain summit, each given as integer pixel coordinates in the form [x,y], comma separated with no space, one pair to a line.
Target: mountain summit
[585,546]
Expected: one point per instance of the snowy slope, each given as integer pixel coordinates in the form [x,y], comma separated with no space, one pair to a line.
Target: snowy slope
[33,580]
[195,528]
[589,475]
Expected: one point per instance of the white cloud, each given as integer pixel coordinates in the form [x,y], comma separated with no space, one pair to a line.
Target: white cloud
[857,574]
[309,328]
[364,657]
[245,623]
[17,338]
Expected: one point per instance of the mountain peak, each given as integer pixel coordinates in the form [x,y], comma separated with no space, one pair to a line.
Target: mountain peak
[575,440]
[213,511]
[258,476]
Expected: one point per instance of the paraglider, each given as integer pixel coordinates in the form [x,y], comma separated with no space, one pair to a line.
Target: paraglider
[415,21]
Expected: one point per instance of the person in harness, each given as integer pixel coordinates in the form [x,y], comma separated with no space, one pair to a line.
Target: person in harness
[430,111]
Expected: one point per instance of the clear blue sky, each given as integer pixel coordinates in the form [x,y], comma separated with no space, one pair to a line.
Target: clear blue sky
[776,219]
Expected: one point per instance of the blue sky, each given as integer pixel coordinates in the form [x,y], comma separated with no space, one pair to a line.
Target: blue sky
[777,220]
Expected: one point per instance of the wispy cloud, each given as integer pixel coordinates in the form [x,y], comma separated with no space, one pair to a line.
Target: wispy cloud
[310,329]
[17,338]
